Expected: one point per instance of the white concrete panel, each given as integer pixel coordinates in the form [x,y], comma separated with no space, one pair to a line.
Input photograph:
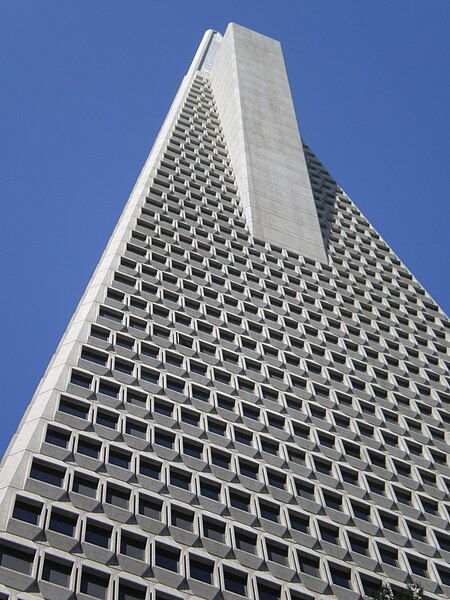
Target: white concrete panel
[253,97]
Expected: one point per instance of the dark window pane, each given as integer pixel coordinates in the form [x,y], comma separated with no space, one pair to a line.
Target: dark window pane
[89,447]
[71,407]
[57,572]
[117,496]
[150,508]
[84,485]
[210,489]
[128,592]
[181,480]
[183,519]
[201,570]
[16,559]
[46,473]
[214,530]
[57,437]
[119,458]
[150,468]
[166,558]
[268,592]
[97,534]
[27,511]
[235,582]
[63,522]
[94,583]
[241,501]
[133,546]
[107,419]
[245,541]
[309,564]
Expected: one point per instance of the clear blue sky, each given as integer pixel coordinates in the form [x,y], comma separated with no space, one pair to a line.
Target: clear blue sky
[85,86]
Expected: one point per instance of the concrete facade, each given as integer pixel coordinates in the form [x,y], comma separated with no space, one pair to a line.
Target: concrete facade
[257,113]
[226,416]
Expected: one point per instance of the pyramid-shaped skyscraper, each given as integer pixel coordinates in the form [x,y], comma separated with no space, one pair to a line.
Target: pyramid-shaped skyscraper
[251,400]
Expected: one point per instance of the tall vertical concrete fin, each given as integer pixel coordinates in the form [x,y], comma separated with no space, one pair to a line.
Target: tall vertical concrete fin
[257,113]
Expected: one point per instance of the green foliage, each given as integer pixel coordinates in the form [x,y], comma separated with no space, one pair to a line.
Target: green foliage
[414,592]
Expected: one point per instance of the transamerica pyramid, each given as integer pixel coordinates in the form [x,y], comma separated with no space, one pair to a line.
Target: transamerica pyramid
[251,399]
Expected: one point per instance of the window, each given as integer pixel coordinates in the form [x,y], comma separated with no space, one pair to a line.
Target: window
[201,570]
[333,501]
[277,553]
[57,437]
[16,558]
[165,439]
[192,449]
[107,419]
[444,575]
[276,479]
[81,379]
[150,468]
[305,490]
[180,479]
[309,564]
[235,581]
[329,533]
[89,447]
[46,473]
[94,356]
[270,446]
[108,389]
[94,583]
[190,418]
[116,496]
[150,507]
[163,408]
[243,437]
[361,511]
[220,459]
[217,427]
[27,510]
[166,557]
[133,545]
[210,489]
[389,555]
[429,506]
[183,519]
[129,591]
[269,511]
[136,398]
[245,541]
[63,522]
[248,469]
[418,566]
[214,530]
[74,408]
[57,572]
[359,544]
[340,576]
[389,521]
[100,333]
[98,534]
[268,591]
[85,485]
[119,458]
[136,429]
[349,476]
[240,500]
[299,522]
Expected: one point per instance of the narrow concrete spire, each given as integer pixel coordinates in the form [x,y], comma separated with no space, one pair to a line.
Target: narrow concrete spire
[254,101]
